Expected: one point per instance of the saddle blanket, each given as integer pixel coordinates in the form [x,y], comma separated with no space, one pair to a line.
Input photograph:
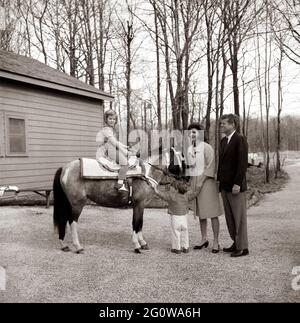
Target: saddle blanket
[92,169]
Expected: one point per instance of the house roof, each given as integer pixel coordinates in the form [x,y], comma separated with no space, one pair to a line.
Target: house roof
[31,71]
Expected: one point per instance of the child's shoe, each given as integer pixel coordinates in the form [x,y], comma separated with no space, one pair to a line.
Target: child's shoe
[121,187]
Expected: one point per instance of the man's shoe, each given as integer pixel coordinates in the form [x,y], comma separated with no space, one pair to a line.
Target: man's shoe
[176,251]
[239,253]
[230,249]
[185,250]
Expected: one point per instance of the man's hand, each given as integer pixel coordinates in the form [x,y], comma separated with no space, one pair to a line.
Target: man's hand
[236,189]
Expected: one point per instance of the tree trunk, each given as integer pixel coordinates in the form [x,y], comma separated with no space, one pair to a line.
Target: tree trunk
[210,73]
[267,89]
[128,74]
[157,70]
[235,79]
[279,109]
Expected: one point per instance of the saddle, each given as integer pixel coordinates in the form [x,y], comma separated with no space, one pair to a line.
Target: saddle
[104,168]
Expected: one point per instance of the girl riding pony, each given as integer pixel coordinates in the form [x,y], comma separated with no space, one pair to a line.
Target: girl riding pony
[110,147]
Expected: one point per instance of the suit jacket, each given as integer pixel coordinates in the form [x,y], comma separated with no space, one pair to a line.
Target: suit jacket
[233,162]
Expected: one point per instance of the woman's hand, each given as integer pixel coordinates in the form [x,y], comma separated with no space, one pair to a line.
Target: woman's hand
[191,160]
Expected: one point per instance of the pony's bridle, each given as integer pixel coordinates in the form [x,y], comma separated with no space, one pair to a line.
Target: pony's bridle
[164,171]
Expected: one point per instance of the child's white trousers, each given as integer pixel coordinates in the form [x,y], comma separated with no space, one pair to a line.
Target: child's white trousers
[179,232]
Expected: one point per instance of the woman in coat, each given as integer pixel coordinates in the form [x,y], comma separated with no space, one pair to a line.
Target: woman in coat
[207,205]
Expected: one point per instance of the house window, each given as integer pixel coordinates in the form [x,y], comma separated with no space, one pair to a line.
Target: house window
[16,144]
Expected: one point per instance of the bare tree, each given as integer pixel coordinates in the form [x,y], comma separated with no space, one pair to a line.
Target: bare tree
[268,45]
[38,12]
[179,22]
[210,22]
[102,11]
[7,24]
[129,38]
[289,21]
[70,39]
[238,21]
[247,86]
[87,39]
[279,110]
[258,65]
[64,23]
[126,34]
[158,80]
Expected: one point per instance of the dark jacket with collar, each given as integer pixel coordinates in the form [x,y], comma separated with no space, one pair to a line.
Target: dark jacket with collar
[233,162]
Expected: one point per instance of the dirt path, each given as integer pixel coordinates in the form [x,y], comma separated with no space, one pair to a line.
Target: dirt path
[37,271]
[274,230]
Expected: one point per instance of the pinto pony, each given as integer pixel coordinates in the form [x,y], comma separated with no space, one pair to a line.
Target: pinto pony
[71,192]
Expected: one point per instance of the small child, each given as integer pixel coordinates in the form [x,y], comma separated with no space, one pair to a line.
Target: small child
[178,199]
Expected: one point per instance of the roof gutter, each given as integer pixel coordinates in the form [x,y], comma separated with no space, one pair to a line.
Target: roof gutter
[56,86]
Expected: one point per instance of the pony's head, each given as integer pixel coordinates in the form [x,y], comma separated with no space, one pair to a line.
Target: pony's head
[157,167]
[160,169]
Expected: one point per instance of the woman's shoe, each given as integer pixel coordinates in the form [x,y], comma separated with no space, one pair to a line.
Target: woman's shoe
[216,250]
[205,245]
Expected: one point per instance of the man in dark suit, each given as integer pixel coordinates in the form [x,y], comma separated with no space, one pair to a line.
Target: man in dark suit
[233,162]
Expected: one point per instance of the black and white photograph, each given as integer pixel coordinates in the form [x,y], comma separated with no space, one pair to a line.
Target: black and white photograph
[150,154]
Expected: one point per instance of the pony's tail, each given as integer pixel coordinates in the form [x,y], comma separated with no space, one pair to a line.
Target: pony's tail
[61,206]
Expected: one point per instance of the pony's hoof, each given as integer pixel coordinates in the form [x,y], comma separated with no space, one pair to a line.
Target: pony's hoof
[137,250]
[80,251]
[145,247]
[65,249]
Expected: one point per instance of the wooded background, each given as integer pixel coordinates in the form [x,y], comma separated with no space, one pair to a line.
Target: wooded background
[169,62]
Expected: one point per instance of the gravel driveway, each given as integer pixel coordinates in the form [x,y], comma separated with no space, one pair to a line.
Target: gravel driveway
[109,271]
